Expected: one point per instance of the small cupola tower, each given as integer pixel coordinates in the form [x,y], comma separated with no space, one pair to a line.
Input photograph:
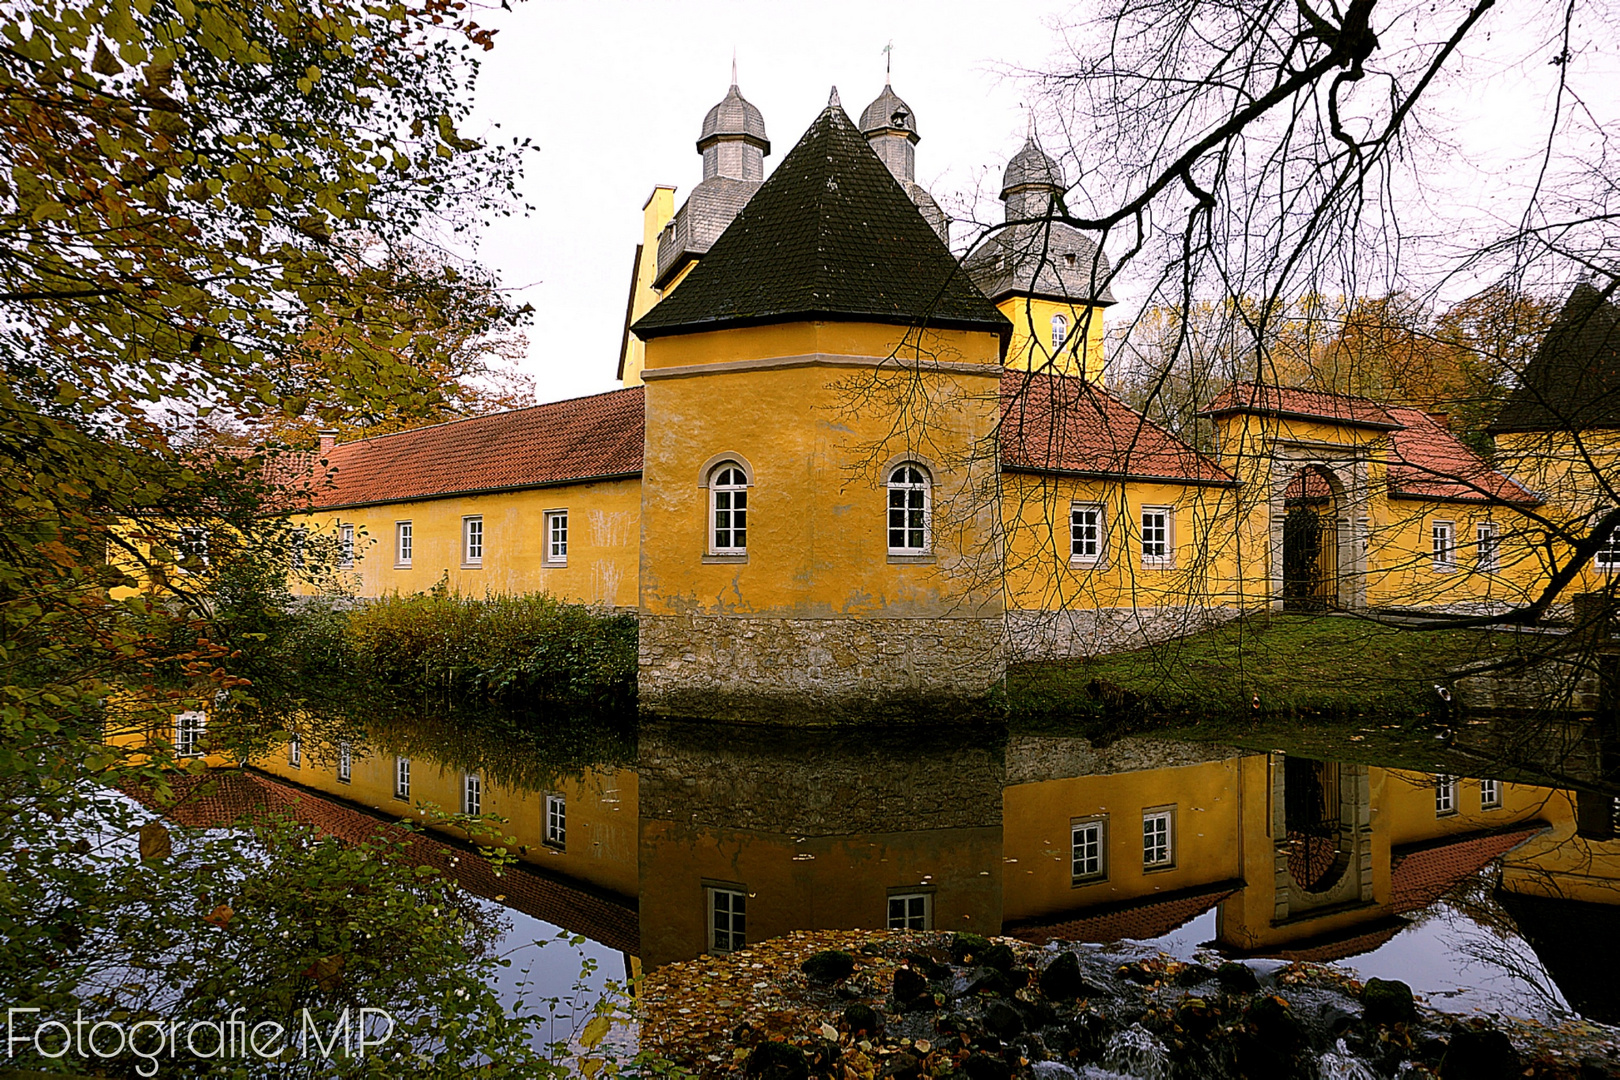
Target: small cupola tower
[1033,181]
[734,146]
[890,128]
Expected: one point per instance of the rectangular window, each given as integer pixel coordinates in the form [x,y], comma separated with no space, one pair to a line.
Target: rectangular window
[345,763]
[1158,838]
[1443,540]
[557,537]
[1088,847]
[192,547]
[1490,794]
[402,778]
[345,546]
[298,548]
[911,911]
[472,541]
[472,794]
[557,821]
[728,920]
[188,733]
[402,543]
[1607,557]
[1155,536]
[295,751]
[1445,795]
[1085,532]
[1485,542]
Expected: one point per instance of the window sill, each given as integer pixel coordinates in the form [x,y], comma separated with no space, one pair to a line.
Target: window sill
[724,560]
[402,798]
[549,564]
[552,845]
[921,559]
[402,566]
[1157,868]
[1088,563]
[1080,883]
[472,566]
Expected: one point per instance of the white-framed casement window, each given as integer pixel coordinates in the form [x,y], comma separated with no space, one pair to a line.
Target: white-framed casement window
[402,543]
[1490,794]
[298,548]
[728,510]
[911,911]
[472,541]
[1060,332]
[192,547]
[908,510]
[472,793]
[1086,533]
[1088,849]
[1487,547]
[1607,557]
[1445,795]
[1443,545]
[1158,838]
[557,821]
[728,919]
[188,733]
[346,546]
[556,538]
[402,777]
[1156,538]
[295,751]
[345,764]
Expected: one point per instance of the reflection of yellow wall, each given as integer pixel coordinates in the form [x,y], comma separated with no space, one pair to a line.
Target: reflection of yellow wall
[814,883]
[816,539]
[1038,871]
[600,840]
[1563,865]
[655,214]
[603,535]
[1031,346]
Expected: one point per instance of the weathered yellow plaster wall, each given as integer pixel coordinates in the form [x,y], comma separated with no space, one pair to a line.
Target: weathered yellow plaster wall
[655,214]
[1030,349]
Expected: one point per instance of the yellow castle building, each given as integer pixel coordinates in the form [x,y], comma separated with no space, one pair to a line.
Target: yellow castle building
[849,470]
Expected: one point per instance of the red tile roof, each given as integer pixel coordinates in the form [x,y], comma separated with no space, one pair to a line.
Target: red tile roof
[1055,423]
[226,797]
[1138,920]
[580,439]
[1288,401]
[1429,462]
[1423,873]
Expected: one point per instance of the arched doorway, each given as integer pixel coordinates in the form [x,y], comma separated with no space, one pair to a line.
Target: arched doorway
[1313,823]
[1310,542]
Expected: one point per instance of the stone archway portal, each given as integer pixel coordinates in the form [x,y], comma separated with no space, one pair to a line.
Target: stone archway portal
[1310,542]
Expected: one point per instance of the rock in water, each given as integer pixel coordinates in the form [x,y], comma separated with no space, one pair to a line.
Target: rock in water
[981,1066]
[863,1019]
[1002,1020]
[1000,957]
[1479,1054]
[964,946]
[829,965]
[1387,1001]
[1062,981]
[777,1061]
[910,987]
[1239,978]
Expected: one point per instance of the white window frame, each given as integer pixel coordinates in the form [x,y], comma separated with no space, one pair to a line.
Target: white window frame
[1159,838]
[1487,547]
[556,821]
[915,911]
[1445,795]
[1607,558]
[345,763]
[345,546]
[1099,529]
[732,492]
[472,540]
[916,485]
[1088,849]
[295,752]
[472,794]
[404,543]
[189,728]
[556,538]
[734,934]
[402,778]
[1443,545]
[1168,539]
[1490,794]
[192,540]
[1060,332]
[298,548]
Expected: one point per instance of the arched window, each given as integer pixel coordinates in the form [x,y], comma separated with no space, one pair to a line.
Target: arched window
[908,510]
[728,505]
[1060,332]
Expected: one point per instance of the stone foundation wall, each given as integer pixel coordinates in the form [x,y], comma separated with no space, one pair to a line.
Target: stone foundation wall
[764,668]
[1062,635]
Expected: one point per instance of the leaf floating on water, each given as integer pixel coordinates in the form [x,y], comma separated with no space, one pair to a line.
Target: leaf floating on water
[155,843]
[220,916]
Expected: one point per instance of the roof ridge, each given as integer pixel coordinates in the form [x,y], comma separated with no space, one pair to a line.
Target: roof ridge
[484,416]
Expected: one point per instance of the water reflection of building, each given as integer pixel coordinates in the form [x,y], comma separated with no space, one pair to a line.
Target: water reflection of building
[723,836]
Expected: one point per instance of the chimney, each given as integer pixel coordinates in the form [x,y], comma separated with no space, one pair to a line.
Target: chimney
[1443,419]
[328,440]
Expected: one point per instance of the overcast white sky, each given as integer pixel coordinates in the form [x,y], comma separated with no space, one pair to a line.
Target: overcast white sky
[613,93]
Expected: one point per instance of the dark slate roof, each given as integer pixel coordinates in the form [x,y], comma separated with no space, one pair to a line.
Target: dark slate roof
[1573,382]
[1045,259]
[1032,165]
[735,117]
[883,113]
[831,235]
